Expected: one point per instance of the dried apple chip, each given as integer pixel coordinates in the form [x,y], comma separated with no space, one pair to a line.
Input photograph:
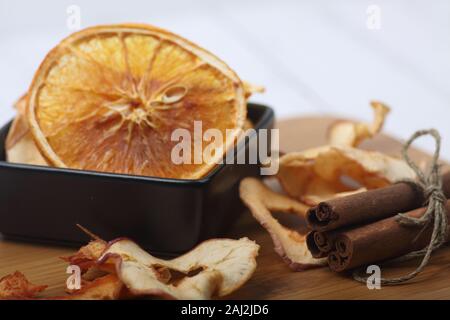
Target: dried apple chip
[120,269]
[108,287]
[17,286]
[20,146]
[321,197]
[19,126]
[251,89]
[336,171]
[340,169]
[86,257]
[25,151]
[289,244]
[214,268]
[318,174]
[351,134]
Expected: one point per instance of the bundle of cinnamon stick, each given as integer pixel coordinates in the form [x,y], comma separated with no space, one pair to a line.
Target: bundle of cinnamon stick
[362,228]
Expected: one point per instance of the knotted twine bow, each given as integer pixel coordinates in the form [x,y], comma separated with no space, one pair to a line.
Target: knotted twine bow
[431,187]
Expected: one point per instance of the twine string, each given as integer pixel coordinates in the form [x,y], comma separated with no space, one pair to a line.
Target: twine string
[430,184]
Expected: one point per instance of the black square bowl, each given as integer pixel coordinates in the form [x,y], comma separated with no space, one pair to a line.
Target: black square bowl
[165,216]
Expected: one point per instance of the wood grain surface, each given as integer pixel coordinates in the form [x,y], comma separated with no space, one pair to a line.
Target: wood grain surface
[272,279]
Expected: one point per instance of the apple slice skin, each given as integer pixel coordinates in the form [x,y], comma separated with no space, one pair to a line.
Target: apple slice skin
[221,266]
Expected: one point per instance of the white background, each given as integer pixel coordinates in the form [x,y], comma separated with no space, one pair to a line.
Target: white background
[312,56]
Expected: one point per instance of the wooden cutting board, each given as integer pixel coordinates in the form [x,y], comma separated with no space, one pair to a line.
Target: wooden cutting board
[272,279]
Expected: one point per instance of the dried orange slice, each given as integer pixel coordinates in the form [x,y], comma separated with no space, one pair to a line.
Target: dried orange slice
[109,97]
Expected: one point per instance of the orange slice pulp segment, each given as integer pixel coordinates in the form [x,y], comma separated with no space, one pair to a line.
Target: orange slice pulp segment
[108,99]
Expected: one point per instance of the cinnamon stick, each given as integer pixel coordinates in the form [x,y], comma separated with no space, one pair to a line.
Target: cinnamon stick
[366,207]
[381,240]
[320,244]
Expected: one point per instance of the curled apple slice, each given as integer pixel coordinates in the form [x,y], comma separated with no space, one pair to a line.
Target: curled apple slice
[19,145]
[290,244]
[16,286]
[340,168]
[214,268]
